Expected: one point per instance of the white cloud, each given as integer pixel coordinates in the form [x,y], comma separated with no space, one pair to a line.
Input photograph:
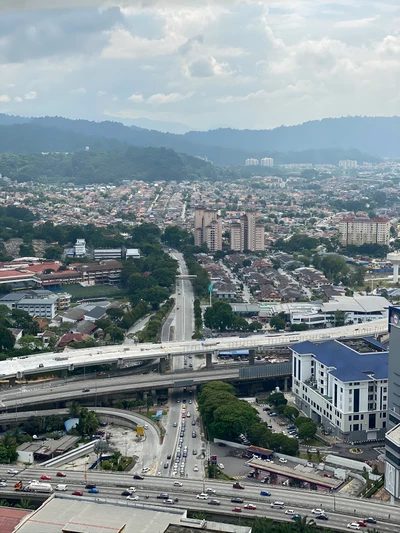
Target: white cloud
[31,95]
[101,93]
[18,99]
[79,90]
[4,98]
[136,98]
[171,98]
[356,23]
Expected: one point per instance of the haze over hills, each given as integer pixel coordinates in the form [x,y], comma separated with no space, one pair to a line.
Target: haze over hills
[325,141]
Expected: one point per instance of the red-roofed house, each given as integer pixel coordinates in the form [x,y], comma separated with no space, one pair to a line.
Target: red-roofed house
[10,518]
[70,337]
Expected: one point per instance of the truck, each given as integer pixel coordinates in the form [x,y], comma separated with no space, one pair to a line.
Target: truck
[18,485]
[38,487]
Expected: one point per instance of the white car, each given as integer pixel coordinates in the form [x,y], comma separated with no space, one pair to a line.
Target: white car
[210,491]
[318,511]
[132,497]
[145,469]
[146,426]
[132,489]
[353,525]
[3,484]
[195,468]
[289,511]
[177,484]
[282,460]
[221,466]
[202,496]
[12,471]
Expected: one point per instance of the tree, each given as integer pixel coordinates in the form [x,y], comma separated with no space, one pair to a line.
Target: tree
[291,412]
[88,422]
[308,430]
[219,316]
[299,327]
[357,276]
[277,398]
[115,333]
[25,504]
[246,263]
[101,447]
[334,267]
[155,296]
[277,323]
[74,410]
[339,318]
[54,252]
[7,339]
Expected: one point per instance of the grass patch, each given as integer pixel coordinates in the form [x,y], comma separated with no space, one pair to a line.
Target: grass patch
[315,443]
[97,291]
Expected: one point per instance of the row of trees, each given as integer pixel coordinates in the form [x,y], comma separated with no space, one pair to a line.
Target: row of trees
[198,319]
[151,332]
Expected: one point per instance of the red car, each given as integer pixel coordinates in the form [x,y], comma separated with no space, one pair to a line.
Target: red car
[237,510]
[45,477]
[61,474]
[361,523]
[250,506]
[77,493]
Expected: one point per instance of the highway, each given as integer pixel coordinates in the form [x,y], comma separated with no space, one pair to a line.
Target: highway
[340,510]
[120,354]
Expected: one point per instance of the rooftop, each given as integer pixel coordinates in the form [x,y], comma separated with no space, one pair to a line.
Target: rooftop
[349,364]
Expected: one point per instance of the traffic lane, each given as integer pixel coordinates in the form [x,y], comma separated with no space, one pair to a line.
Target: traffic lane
[222,491]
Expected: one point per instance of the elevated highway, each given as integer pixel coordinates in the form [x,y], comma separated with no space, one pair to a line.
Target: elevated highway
[118,355]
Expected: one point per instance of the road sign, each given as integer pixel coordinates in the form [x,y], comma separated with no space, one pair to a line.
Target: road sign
[210,288]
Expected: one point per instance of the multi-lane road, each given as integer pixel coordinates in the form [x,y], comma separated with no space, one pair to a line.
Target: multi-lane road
[340,510]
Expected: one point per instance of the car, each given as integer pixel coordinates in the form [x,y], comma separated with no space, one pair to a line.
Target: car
[238,485]
[90,486]
[166,465]
[193,422]
[273,414]
[202,496]
[175,424]
[169,456]
[214,502]
[3,484]
[265,493]
[77,493]
[237,500]
[125,493]
[296,517]
[318,511]
[163,496]
[45,477]
[210,490]
[353,525]
[321,517]
[190,401]
[177,484]
[221,466]
[178,400]
[327,475]
[133,497]
[85,390]
[138,476]
[194,434]
[222,444]
[93,491]
[61,474]
[194,452]
[250,506]
[289,511]
[145,426]
[370,520]
[237,510]
[282,460]
[195,468]
[12,471]
[145,469]
[361,523]
[169,501]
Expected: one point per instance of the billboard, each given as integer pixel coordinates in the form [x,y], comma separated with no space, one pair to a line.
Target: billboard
[394,317]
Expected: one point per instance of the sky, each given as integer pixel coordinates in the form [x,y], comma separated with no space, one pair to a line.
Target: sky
[200,65]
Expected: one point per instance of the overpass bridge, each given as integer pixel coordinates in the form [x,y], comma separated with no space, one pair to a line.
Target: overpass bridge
[61,392]
[119,355]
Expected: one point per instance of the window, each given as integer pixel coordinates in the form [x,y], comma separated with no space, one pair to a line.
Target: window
[356,417]
[350,418]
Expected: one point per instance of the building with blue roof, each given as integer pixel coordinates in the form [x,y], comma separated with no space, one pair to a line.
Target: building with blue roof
[342,384]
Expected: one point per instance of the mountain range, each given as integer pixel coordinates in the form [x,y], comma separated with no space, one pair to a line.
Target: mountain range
[322,141]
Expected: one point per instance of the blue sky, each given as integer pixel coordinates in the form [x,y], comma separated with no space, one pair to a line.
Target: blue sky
[244,64]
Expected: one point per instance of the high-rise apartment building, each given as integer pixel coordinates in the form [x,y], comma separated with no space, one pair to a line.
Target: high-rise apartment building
[347,164]
[251,162]
[267,162]
[247,234]
[208,229]
[362,230]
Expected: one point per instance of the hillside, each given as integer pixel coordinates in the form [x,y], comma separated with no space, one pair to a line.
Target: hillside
[325,141]
[86,167]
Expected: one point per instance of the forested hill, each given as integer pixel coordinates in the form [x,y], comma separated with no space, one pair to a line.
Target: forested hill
[325,141]
[85,167]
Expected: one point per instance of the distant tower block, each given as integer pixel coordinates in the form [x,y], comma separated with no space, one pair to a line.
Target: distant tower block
[394,258]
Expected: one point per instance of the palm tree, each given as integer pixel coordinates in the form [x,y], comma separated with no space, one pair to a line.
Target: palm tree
[74,410]
[25,504]
[4,503]
[303,525]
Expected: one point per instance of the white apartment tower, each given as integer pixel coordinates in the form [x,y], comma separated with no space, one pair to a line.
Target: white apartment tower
[267,162]
[208,229]
[362,230]
[347,164]
[251,162]
[247,234]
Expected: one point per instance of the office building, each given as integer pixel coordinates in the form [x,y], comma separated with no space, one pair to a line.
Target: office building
[347,164]
[392,438]
[80,248]
[247,234]
[343,385]
[100,254]
[251,162]
[362,230]
[38,303]
[267,162]
[208,229]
